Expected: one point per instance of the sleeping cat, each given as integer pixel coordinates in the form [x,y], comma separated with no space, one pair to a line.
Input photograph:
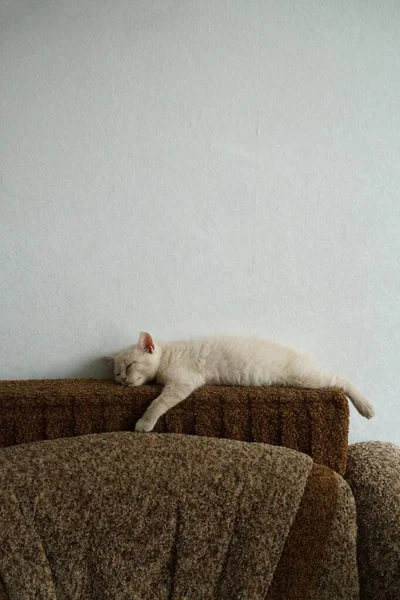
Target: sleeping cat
[184,366]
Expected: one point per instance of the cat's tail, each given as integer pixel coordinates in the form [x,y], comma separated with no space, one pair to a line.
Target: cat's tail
[306,374]
[360,402]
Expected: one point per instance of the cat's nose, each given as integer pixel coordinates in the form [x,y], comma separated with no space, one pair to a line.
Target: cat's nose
[123,379]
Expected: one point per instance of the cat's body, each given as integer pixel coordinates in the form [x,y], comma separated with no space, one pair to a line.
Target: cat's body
[183,367]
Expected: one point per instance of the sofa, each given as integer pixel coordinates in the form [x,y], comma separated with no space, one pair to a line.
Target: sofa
[239,493]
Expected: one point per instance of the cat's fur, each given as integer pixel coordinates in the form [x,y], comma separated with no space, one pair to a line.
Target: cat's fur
[184,366]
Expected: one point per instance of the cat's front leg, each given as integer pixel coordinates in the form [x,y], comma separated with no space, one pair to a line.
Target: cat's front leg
[172,394]
[144,425]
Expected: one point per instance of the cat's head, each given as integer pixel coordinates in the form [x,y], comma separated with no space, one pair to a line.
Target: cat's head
[138,364]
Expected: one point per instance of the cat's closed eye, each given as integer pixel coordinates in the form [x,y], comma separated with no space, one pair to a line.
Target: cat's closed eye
[132,363]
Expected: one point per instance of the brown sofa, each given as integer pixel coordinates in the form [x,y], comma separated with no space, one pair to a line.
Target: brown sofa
[107,513]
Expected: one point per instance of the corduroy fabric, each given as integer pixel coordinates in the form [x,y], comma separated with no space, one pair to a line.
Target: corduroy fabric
[315,422]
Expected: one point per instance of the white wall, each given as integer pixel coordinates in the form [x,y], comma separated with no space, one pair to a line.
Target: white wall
[193,167]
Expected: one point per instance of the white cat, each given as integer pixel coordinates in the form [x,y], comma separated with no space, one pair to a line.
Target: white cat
[184,366]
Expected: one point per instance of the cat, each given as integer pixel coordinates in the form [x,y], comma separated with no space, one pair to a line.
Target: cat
[183,367]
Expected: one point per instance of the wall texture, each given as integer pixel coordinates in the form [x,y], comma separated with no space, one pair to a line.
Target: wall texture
[194,167]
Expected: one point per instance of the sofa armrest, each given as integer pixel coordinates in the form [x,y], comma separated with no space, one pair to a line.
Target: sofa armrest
[373,472]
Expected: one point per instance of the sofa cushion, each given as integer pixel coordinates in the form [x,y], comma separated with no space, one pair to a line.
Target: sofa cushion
[124,515]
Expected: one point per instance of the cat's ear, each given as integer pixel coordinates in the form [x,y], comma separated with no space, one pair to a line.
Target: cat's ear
[109,359]
[145,343]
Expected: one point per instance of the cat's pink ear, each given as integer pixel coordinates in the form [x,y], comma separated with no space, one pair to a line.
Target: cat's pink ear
[145,343]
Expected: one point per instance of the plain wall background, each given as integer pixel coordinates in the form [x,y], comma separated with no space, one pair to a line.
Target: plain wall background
[202,167]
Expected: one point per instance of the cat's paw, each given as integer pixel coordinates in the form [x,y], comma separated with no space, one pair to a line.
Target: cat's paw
[144,425]
[367,410]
